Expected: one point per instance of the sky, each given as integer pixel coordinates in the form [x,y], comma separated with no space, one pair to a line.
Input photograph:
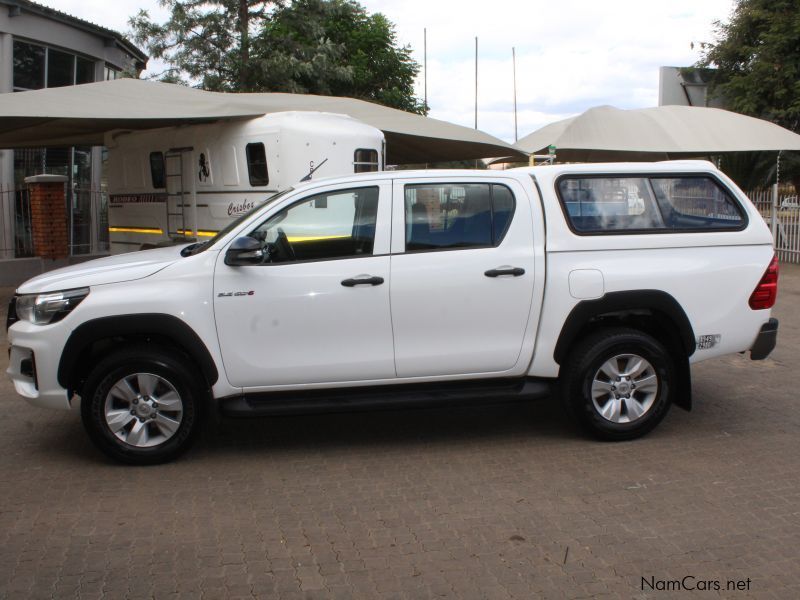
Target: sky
[571,54]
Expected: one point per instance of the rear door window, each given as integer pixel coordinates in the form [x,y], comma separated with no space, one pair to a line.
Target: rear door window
[456,215]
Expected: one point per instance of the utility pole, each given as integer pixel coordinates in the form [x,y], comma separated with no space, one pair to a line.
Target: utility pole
[476,82]
[514,69]
[425,64]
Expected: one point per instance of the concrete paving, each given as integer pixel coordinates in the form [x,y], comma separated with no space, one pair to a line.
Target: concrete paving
[481,502]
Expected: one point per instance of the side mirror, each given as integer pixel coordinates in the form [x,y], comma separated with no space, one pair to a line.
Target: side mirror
[244,251]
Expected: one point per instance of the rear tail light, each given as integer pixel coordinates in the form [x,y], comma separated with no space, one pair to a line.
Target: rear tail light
[767,289]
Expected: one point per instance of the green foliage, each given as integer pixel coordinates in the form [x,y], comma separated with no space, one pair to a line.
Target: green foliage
[757,59]
[205,42]
[327,47]
[334,47]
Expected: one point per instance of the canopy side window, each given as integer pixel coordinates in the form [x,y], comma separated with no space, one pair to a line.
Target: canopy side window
[696,203]
[613,204]
[257,164]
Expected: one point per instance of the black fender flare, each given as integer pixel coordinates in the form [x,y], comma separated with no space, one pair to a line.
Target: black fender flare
[616,302]
[154,324]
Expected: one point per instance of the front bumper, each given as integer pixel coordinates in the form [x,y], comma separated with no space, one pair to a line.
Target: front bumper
[33,364]
[765,341]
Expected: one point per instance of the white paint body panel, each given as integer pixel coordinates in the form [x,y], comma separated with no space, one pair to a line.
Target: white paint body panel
[302,326]
[448,317]
[436,317]
[586,284]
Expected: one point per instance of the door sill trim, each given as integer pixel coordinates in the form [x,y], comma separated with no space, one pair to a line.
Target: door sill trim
[386,397]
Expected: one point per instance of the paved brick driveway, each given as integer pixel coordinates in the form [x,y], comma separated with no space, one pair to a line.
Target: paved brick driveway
[492,502]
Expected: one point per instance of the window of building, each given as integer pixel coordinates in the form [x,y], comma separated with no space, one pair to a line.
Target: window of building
[158,170]
[344,228]
[608,204]
[365,160]
[60,68]
[257,164]
[460,215]
[84,71]
[28,66]
[31,62]
[110,73]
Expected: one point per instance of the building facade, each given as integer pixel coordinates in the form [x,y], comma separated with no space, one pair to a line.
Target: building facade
[686,86]
[41,48]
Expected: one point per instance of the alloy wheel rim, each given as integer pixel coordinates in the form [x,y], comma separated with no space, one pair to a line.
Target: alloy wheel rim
[143,410]
[624,388]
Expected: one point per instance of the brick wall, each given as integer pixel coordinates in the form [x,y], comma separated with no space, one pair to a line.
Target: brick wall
[49,216]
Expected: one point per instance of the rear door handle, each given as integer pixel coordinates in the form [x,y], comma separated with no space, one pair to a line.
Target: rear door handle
[362,280]
[513,271]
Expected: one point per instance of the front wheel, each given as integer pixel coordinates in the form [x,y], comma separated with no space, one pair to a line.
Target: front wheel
[618,383]
[141,405]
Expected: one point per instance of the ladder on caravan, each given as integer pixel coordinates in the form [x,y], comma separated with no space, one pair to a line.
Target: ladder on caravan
[177,194]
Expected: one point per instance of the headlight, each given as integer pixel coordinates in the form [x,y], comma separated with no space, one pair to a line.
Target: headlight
[49,307]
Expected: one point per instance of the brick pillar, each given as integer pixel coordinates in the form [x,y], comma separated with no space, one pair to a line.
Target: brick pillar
[49,215]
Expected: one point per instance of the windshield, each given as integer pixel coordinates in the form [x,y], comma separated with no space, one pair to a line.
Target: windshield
[201,246]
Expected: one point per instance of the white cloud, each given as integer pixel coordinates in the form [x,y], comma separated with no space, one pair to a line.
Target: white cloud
[571,54]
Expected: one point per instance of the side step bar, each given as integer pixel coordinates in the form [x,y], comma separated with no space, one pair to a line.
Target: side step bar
[386,397]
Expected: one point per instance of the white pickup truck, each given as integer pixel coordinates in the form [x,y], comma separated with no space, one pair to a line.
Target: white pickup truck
[388,288]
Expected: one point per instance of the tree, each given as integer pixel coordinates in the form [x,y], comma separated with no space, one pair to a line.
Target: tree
[327,47]
[205,41]
[335,47]
[757,60]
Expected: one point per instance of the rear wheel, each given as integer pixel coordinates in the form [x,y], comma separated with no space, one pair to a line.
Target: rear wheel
[618,382]
[141,405]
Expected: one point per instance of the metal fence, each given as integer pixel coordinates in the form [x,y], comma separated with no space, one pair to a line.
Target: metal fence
[87,222]
[781,211]
[87,206]
[17,240]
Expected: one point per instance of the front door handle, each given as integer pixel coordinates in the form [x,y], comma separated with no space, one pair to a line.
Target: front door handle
[514,271]
[362,280]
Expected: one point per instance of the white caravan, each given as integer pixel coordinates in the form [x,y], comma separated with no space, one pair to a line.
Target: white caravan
[187,182]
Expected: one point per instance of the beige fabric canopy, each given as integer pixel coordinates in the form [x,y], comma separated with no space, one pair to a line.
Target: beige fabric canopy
[81,114]
[607,133]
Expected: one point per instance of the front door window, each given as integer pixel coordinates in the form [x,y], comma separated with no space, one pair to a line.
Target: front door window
[339,224]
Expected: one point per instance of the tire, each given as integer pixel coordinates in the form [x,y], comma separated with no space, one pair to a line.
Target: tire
[141,405]
[625,408]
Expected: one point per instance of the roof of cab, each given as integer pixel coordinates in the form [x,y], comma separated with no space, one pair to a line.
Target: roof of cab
[517,173]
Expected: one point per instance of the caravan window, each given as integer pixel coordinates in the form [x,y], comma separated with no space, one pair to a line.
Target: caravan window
[257,164]
[365,160]
[157,170]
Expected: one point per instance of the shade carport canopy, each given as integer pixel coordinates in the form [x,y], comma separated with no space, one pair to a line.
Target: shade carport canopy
[82,114]
[608,133]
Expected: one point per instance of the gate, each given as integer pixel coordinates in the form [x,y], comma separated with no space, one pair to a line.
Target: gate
[782,214]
